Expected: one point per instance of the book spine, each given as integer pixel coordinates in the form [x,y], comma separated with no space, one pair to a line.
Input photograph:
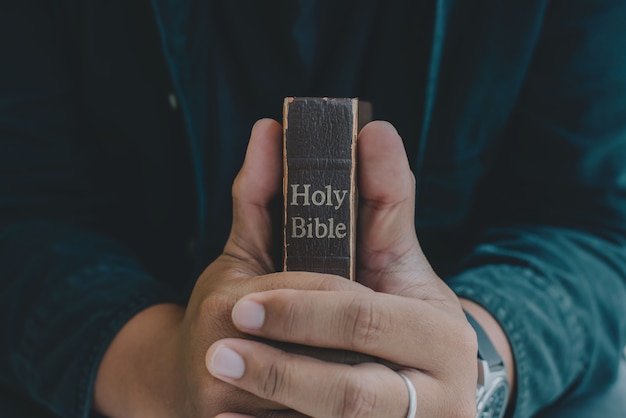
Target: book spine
[319,185]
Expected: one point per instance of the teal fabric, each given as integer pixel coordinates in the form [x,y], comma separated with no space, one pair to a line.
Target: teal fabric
[513,116]
[607,401]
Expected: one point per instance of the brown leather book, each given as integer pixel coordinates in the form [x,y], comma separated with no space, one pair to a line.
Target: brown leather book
[319,183]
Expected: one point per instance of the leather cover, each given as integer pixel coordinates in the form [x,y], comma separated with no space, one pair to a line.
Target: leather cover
[319,184]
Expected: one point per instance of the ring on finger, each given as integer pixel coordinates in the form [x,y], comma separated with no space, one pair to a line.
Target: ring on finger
[412,395]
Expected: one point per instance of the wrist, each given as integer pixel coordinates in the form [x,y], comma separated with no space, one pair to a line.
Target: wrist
[140,372]
[495,362]
[495,333]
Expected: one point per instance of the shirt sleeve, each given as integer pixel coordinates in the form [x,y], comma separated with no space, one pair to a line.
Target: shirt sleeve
[551,267]
[65,289]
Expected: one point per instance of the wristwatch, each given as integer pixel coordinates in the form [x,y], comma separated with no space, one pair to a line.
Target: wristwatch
[492,391]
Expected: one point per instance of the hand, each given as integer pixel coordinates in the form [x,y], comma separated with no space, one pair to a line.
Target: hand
[412,321]
[156,364]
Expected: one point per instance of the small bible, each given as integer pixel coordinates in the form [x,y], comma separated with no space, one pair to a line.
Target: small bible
[319,183]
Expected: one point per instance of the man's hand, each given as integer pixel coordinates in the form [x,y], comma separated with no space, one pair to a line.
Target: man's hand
[412,321]
[155,367]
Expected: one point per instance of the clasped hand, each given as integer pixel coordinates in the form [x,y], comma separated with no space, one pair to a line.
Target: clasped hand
[271,344]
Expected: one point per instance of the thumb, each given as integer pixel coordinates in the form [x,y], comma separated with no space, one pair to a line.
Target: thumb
[256,186]
[390,258]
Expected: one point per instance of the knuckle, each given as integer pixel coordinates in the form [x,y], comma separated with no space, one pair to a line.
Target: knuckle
[291,318]
[461,340]
[468,341]
[358,399]
[366,323]
[275,379]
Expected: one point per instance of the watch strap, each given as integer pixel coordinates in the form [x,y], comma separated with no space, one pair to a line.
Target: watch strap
[486,350]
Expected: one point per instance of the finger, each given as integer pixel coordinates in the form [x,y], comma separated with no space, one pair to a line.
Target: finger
[405,331]
[386,192]
[301,280]
[265,414]
[389,252]
[255,187]
[307,385]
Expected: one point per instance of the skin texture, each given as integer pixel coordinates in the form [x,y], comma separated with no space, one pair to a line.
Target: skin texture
[226,353]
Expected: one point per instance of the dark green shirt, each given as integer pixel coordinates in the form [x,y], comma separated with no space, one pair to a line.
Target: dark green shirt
[122,125]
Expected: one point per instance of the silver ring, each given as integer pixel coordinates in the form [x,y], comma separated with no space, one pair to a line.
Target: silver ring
[412,396]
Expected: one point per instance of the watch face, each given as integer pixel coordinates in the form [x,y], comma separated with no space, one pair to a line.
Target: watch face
[495,401]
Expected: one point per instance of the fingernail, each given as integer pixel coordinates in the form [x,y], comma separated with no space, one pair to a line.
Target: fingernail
[249,315]
[226,362]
